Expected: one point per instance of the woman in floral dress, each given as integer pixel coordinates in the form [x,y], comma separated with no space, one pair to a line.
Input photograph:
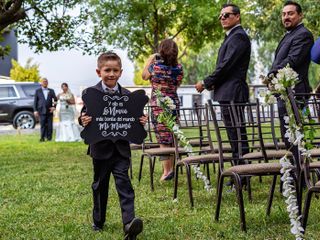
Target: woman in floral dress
[165,74]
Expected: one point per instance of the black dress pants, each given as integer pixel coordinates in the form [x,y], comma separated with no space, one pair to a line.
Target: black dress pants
[46,126]
[229,119]
[118,166]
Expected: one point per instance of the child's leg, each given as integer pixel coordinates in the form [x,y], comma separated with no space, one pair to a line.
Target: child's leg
[100,187]
[124,187]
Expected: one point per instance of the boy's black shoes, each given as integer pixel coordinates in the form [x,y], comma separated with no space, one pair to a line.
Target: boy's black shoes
[96,228]
[132,229]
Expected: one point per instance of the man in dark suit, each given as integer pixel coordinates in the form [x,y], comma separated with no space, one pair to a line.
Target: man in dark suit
[44,105]
[228,81]
[294,49]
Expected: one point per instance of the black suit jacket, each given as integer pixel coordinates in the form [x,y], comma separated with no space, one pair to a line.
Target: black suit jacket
[295,49]
[42,105]
[105,149]
[229,78]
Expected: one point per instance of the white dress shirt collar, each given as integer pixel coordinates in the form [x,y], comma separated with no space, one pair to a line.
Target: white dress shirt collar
[105,87]
[229,31]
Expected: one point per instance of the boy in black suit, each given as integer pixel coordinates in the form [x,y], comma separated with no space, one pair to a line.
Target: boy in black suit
[112,157]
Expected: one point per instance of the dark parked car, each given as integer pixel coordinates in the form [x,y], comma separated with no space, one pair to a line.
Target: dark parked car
[16,103]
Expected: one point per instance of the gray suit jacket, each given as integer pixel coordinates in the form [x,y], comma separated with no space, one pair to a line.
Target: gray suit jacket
[295,49]
[229,78]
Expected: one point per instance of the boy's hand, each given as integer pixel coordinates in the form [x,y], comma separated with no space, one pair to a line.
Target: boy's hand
[143,120]
[85,119]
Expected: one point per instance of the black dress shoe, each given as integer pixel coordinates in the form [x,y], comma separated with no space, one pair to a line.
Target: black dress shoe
[41,140]
[133,228]
[96,228]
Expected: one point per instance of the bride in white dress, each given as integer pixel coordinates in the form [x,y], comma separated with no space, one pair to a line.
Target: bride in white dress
[67,130]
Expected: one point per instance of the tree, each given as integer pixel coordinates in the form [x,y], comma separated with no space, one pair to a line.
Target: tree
[29,73]
[44,24]
[139,26]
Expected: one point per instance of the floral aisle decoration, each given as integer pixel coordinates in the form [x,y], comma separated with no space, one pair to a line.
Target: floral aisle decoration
[167,118]
[287,78]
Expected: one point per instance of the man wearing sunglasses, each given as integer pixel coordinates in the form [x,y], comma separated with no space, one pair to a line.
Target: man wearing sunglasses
[228,81]
[294,49]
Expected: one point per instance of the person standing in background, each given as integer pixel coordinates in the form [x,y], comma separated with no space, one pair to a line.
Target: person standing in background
[293,50]
[165,74]
[228,81]
[67,130]
[44,105]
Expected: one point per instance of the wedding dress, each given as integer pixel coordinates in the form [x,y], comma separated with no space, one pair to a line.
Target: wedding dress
[67,130]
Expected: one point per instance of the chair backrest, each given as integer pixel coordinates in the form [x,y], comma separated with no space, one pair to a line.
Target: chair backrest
[270,125]
[193,123]
[244,122]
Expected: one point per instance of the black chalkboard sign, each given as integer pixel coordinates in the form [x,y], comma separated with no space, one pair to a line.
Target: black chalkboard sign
[114,116]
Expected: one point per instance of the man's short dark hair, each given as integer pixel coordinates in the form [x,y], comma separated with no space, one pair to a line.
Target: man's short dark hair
[108,56]
[235,8]
[298,6]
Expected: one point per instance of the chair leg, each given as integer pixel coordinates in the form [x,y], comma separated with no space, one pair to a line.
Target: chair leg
[214,167]
[140,169]
[151,173]
[219,197]
[273,185]
[298,190]
[249,189]
[153,164]
[208,171]
[240,202]
[300,185]
[175,192]
[307,204]
[188,173]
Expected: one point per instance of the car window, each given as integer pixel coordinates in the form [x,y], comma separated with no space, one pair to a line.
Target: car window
[30,90]
[7,92]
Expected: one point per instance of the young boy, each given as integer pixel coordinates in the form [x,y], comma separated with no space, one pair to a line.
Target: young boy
[112,157]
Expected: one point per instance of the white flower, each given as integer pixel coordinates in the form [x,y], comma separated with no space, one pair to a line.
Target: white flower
[286,119]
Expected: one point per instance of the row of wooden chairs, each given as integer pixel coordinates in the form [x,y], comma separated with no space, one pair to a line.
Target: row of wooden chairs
[213,147]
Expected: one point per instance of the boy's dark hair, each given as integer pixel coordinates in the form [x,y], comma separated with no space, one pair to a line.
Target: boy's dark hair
[298,6]
[108,56]
[168,50]
[235,8]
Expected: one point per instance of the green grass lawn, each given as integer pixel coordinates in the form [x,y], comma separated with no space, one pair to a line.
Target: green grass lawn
[45,193]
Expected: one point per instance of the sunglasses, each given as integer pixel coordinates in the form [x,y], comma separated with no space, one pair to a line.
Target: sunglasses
[226,15]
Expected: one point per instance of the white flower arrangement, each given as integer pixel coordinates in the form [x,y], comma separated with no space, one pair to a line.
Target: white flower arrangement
[168,119]
[287,77]
[65,96]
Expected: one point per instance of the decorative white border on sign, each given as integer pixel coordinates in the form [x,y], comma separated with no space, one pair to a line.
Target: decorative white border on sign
[123,134]
[107,97]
